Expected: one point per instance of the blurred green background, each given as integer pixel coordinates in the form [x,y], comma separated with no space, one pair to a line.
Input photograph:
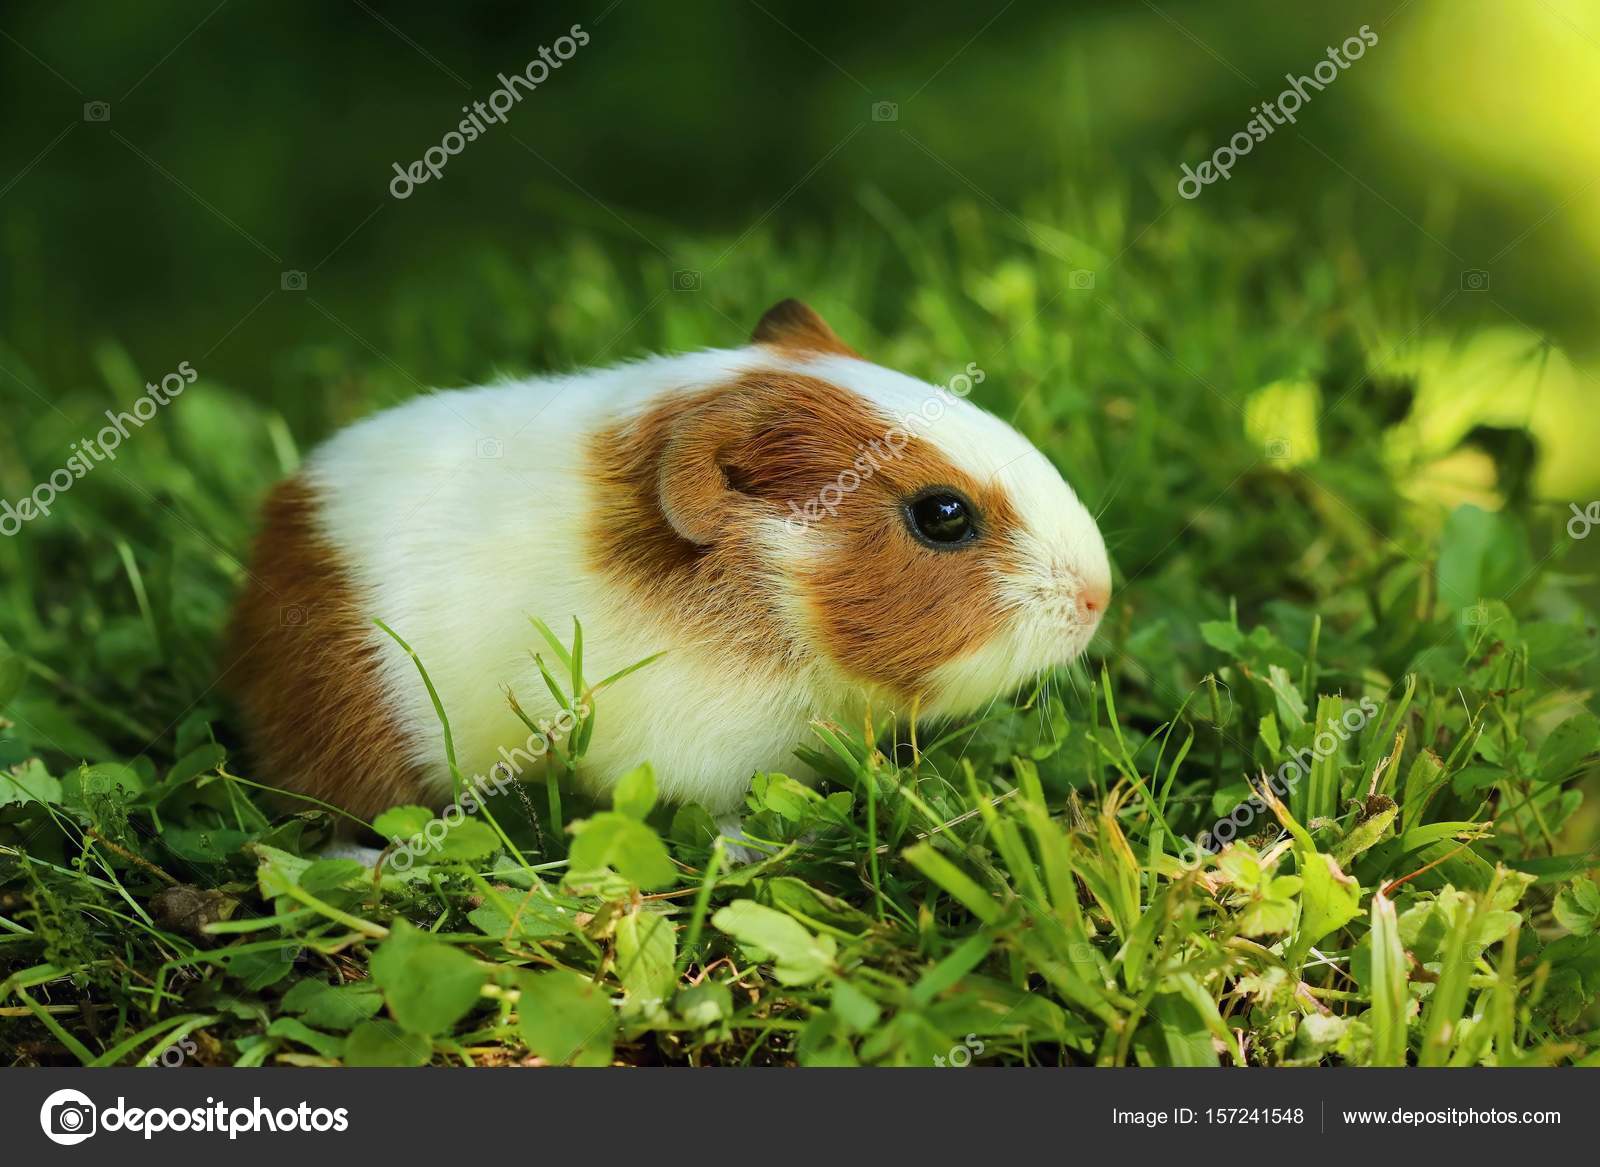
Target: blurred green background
[246,139]
[1277,398]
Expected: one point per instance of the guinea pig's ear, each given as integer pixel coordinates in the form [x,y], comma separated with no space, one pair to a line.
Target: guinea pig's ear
[693,483]
[792,324]
[771,438]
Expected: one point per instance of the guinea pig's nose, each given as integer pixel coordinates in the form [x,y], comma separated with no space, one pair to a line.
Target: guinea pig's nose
[1093,599]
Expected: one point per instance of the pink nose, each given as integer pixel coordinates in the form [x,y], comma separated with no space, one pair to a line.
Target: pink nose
[1093,599]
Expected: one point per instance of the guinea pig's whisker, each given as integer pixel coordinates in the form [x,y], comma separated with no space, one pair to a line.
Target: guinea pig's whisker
[1116,489]
[984,716]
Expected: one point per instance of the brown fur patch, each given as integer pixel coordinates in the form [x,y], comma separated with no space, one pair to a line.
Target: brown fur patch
[794,326]
[680,486]
[712,587]
[303,669]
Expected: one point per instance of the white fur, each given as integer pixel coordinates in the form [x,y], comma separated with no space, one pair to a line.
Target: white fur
[455,541]
[366,856]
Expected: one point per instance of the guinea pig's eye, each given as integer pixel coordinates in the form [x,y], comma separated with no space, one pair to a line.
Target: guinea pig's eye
[941,518]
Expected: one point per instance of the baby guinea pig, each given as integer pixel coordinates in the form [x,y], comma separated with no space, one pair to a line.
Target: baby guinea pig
[800,532]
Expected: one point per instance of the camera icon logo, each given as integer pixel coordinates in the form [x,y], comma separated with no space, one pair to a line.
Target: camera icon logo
[491,448]
[1475,616]
[1279,450]
[1081,280]
[68,1117]
[292,616]
[885,111]
[97,111]
[292,281]
[1474,280]
[685,281]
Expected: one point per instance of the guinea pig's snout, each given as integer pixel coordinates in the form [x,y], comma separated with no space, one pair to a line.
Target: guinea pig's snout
[1078,598]
[1092,601]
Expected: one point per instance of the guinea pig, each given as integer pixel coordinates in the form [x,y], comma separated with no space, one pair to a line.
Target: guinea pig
[799,533]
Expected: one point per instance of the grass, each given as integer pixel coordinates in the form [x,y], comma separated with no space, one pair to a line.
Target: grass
[1021,888]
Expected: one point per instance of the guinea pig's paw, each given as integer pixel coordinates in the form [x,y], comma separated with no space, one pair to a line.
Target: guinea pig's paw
[366,856]
[736,844]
